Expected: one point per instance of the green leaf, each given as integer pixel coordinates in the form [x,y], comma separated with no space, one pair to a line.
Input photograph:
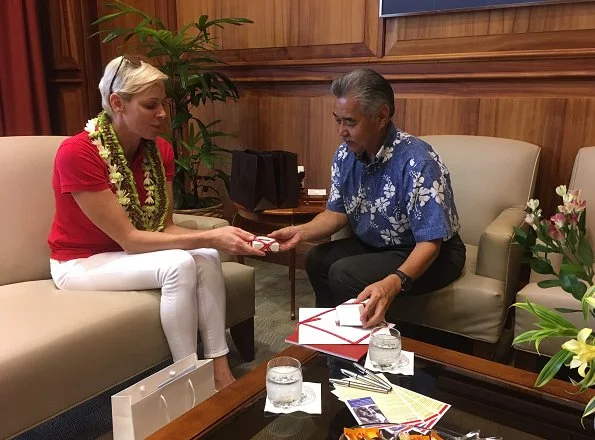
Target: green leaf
[565,310]
[585,253]
[542,266]
[545,314]
[571,284]
[589,409]
[572,268]
[544,284]
[552,367]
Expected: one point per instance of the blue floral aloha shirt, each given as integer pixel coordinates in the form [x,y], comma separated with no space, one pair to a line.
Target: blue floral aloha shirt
[403,196]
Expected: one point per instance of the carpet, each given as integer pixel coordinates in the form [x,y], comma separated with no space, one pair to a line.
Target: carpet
[92,420]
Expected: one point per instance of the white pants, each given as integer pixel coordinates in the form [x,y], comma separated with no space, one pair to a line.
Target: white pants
[192,291]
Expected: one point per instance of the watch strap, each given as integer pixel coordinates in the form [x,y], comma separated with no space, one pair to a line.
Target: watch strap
[406,281]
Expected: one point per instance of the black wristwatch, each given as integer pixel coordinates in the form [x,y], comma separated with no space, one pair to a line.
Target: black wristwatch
[406,282]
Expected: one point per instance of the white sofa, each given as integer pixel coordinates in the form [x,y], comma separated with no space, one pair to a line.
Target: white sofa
[60,348]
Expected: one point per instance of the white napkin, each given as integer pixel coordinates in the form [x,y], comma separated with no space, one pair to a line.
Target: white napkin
[310,401]
[406,370]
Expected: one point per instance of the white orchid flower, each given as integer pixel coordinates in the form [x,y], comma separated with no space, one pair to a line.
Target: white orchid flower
[584,353]
[561,190]
[91,126]
[532,204]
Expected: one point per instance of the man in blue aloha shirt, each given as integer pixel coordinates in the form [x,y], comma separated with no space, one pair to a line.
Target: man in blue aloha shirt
[395,193]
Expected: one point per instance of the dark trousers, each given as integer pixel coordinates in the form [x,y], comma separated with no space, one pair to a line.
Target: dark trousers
[341,269]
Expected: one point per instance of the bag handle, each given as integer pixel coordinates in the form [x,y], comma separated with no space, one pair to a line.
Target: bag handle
[163,400]
[193,393]
[167,416]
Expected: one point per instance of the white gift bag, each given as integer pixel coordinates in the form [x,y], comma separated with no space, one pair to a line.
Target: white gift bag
[143,408]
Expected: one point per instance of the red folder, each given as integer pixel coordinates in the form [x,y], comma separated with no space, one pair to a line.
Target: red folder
[353,352]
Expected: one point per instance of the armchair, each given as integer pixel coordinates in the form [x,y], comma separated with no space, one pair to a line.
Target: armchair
[492,179]
[554,297]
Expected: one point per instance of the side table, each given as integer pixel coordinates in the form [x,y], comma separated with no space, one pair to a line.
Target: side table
[278,218]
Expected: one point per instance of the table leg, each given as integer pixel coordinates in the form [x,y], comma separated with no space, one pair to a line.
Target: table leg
[292,280]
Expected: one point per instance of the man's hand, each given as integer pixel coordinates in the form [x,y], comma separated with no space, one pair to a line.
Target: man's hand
[379,295]
[234,241]
[288,237]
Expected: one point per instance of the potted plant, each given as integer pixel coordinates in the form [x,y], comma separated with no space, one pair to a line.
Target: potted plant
[186,56]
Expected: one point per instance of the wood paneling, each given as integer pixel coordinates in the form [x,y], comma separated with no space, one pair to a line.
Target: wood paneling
[285,29]
[525,73]
[72,63]
[165,10]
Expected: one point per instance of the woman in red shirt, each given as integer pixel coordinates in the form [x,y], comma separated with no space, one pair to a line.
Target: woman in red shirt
[113,227]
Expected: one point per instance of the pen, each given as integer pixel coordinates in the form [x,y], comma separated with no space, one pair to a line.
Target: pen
[372,375]
[346,383]
[365,379]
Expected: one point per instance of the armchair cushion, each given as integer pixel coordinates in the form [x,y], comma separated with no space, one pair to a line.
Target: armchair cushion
[473,306]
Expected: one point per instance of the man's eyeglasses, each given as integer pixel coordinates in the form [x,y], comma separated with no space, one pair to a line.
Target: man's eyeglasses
[135,60]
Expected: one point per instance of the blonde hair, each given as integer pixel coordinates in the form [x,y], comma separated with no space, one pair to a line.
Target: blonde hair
[130,80]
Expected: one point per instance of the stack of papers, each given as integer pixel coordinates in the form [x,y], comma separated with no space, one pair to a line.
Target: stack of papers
[400,406]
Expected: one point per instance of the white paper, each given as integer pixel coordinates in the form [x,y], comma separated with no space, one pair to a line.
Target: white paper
[311,401]
[406,370]
[324,329]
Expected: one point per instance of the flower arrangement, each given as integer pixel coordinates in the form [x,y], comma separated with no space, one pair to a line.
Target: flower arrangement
[564,233]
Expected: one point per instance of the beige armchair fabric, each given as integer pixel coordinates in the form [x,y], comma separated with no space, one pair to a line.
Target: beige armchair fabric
[492,179]
[582,178]
[60,348]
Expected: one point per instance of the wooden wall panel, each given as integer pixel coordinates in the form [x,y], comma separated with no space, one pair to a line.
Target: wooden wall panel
[280,23]
[285,29]
[72,63]
[550,27]
[544,18]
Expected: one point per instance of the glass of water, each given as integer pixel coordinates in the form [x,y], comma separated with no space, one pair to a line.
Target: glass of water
[385,349]
[284,381]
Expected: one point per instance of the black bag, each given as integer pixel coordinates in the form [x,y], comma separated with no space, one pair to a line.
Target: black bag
[264,179]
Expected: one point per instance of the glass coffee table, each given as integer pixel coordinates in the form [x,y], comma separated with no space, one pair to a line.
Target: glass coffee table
[497,399]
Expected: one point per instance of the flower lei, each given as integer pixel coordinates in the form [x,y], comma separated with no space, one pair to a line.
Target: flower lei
[151,215]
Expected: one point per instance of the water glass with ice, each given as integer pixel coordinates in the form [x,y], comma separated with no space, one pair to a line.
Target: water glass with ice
[284,381]
[384,349]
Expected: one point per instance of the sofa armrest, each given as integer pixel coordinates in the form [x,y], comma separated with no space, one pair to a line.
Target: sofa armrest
[199,222]
[498,257]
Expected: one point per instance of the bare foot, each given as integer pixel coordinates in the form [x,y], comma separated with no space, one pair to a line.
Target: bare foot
[223,375]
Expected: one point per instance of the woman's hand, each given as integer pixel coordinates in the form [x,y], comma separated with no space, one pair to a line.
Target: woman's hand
[379,295]
[234,241]
[288,237]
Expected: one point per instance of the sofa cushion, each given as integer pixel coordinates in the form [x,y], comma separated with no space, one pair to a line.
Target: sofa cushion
[552,297]
[73,345]
[475,304]
[60,348]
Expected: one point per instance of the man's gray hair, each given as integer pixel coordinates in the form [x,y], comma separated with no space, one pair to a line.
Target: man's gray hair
[368,87]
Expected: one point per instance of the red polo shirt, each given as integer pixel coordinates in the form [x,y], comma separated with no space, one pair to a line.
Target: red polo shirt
[78,167]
